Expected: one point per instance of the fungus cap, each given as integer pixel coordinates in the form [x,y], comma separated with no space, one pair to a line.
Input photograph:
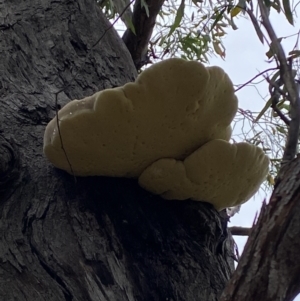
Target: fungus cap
[173,108]
[219,173]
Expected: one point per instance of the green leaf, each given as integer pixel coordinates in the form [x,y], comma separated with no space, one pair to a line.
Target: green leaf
[271,52]
[265,108]
[275,76]
[284,106]
[270,180]
[235,11]
[178,18]
[294,54]
[256,27]
[288,11]
[281,129]
[130,25]
[238,8]
[145,5]
[276,5]
[162,41]
[218,17]
[218,49]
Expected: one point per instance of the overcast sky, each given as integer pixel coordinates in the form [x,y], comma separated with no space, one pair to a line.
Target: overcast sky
[245,57]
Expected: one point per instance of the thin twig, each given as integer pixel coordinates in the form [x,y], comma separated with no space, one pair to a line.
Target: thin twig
[60,136]
[240,231]
[112,24]
[253,78]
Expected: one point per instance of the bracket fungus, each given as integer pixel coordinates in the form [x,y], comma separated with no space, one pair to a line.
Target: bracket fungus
[220,173]
[172,109]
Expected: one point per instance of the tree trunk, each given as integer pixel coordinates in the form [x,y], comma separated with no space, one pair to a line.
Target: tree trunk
[269,269]
[87,238]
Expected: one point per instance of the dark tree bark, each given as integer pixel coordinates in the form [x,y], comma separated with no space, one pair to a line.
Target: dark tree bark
[137,43]
[269,269]
[94,238]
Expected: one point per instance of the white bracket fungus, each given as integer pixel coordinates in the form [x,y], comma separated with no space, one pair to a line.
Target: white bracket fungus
[172,110]
[219,173]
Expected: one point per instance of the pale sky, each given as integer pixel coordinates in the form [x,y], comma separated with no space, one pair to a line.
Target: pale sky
[245,57]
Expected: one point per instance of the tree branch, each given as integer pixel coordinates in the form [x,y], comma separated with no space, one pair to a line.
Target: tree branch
[240,231]
[290,85]
[280,114]
[137,44]
[253,78]
[275,92]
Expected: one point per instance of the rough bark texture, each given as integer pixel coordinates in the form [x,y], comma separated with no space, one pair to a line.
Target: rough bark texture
[269,269]
[137,43]
[96,238]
